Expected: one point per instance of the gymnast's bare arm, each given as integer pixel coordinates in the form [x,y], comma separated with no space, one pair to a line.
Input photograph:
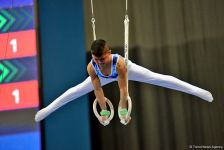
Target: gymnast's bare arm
[98,91]
[122,82]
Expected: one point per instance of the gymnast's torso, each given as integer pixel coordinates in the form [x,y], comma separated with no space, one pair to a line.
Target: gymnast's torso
[113,74]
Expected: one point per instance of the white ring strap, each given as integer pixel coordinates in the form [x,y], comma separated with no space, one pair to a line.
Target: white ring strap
[126,34]
[94,28]
[93,22]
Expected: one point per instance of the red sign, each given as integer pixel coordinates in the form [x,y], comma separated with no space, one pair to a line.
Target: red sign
[19,95]
[18,44]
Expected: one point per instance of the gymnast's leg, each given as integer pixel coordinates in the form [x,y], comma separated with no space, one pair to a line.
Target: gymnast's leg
[71,94]
[141,74]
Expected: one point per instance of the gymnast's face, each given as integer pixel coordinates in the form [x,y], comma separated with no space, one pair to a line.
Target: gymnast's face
[103,60]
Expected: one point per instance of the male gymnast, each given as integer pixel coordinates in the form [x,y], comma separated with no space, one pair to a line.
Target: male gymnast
[105,68]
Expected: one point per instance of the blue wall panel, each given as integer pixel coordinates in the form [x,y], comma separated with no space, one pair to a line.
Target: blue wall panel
[63,61]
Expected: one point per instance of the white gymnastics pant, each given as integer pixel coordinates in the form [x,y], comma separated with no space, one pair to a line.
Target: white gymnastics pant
[135,73]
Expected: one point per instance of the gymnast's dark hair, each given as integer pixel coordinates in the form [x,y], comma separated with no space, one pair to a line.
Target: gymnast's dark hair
[97,47]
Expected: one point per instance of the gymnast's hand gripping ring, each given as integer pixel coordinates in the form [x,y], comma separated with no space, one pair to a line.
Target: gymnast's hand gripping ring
[106,122]
[125,120]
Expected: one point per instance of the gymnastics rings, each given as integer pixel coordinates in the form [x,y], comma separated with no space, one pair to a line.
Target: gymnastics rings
[106,122]
[125,120]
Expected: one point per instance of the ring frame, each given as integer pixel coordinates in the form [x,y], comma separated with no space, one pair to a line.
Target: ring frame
[106,122]
[128,114]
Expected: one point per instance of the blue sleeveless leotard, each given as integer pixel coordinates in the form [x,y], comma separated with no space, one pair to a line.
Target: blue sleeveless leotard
[113,74]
